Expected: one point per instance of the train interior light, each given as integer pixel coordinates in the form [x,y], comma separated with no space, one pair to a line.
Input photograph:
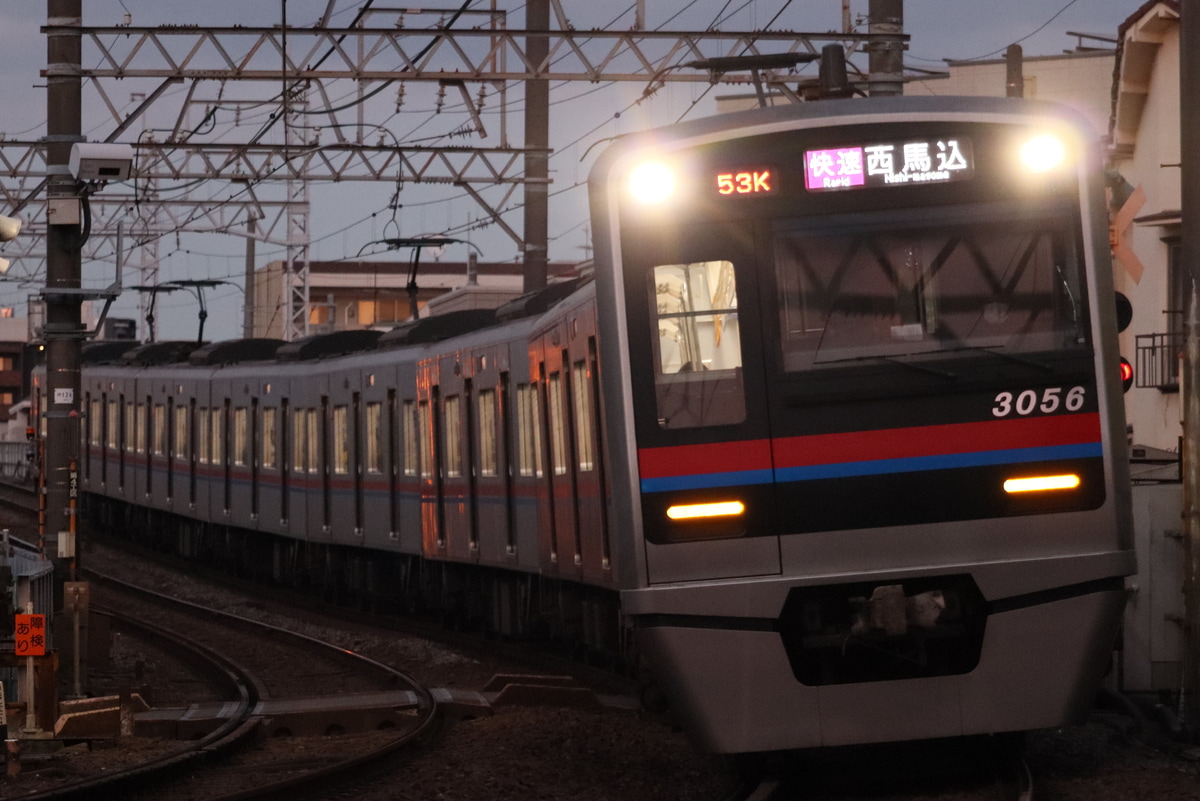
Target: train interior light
[694,511]
[1043,153]
[1041,483]
[651,182]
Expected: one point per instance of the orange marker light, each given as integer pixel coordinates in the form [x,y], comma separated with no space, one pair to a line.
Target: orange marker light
[1041,483]
[693,511]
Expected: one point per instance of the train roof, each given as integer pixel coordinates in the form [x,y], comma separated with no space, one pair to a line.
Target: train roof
[108,352]
[324,346]
[155,353]
[438,327]
[233,351]
[538,301]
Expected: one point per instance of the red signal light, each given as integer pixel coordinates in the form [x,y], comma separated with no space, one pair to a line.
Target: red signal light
[1126,374]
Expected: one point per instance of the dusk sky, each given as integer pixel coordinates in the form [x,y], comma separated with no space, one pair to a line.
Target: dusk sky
[345,218]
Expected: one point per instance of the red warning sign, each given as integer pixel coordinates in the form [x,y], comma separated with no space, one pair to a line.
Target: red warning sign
[30,633]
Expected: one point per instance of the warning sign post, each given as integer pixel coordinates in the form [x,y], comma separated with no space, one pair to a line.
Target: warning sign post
[30,631]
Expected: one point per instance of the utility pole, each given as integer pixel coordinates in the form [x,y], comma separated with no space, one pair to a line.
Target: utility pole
[63,330]
[537,140]
[886,60]
[249,299]
[1189,152]
[1014,71]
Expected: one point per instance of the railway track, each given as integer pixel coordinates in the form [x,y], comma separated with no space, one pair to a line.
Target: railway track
[215,766]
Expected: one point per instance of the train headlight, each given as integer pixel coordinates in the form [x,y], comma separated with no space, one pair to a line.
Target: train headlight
[651,182]
[1043,153]
[1041,483]
[697,511]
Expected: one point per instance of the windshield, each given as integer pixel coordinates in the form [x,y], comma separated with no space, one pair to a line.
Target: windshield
[888,285]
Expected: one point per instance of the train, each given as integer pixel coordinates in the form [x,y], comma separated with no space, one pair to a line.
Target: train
[829,439]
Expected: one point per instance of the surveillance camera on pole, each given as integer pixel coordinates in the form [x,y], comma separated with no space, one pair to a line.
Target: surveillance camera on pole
[93,162]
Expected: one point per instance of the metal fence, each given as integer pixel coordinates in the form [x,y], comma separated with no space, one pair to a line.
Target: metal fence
[1158,361]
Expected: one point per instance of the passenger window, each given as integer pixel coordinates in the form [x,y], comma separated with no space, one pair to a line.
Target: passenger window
[698,352]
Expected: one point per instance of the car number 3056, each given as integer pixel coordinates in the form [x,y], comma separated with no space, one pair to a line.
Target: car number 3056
[1049,401]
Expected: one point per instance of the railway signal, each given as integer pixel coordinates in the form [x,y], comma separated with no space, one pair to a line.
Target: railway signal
[1124,316]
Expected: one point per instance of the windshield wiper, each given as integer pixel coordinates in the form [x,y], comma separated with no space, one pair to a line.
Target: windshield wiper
[1012,357]
[895,360]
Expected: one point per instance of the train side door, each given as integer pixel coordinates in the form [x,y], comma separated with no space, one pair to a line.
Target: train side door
[558,516]
[429,474]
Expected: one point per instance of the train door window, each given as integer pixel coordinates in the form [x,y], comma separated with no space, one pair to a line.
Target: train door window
[227,453]
[94,422]
[218,437]
[300,442]
[374,459]
[192,443]
[160,429]
[287,446]
[580,391]
[204,437]
[424,423]
[254,457]
[558,434]
[326,483]
[140,436]
[241,435]
[123,438]
[313,435]
[393,470]
[412,427]
[341,440]
[130,427]
[452,427]
[181,433]
[268,438]
[529,430]
[113,423]
[487,432]
[698,350]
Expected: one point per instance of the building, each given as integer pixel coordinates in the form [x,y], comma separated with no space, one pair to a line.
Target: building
[1145,160]
[374,294]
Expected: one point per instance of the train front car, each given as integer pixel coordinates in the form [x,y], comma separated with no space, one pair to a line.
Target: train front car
[866,405]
